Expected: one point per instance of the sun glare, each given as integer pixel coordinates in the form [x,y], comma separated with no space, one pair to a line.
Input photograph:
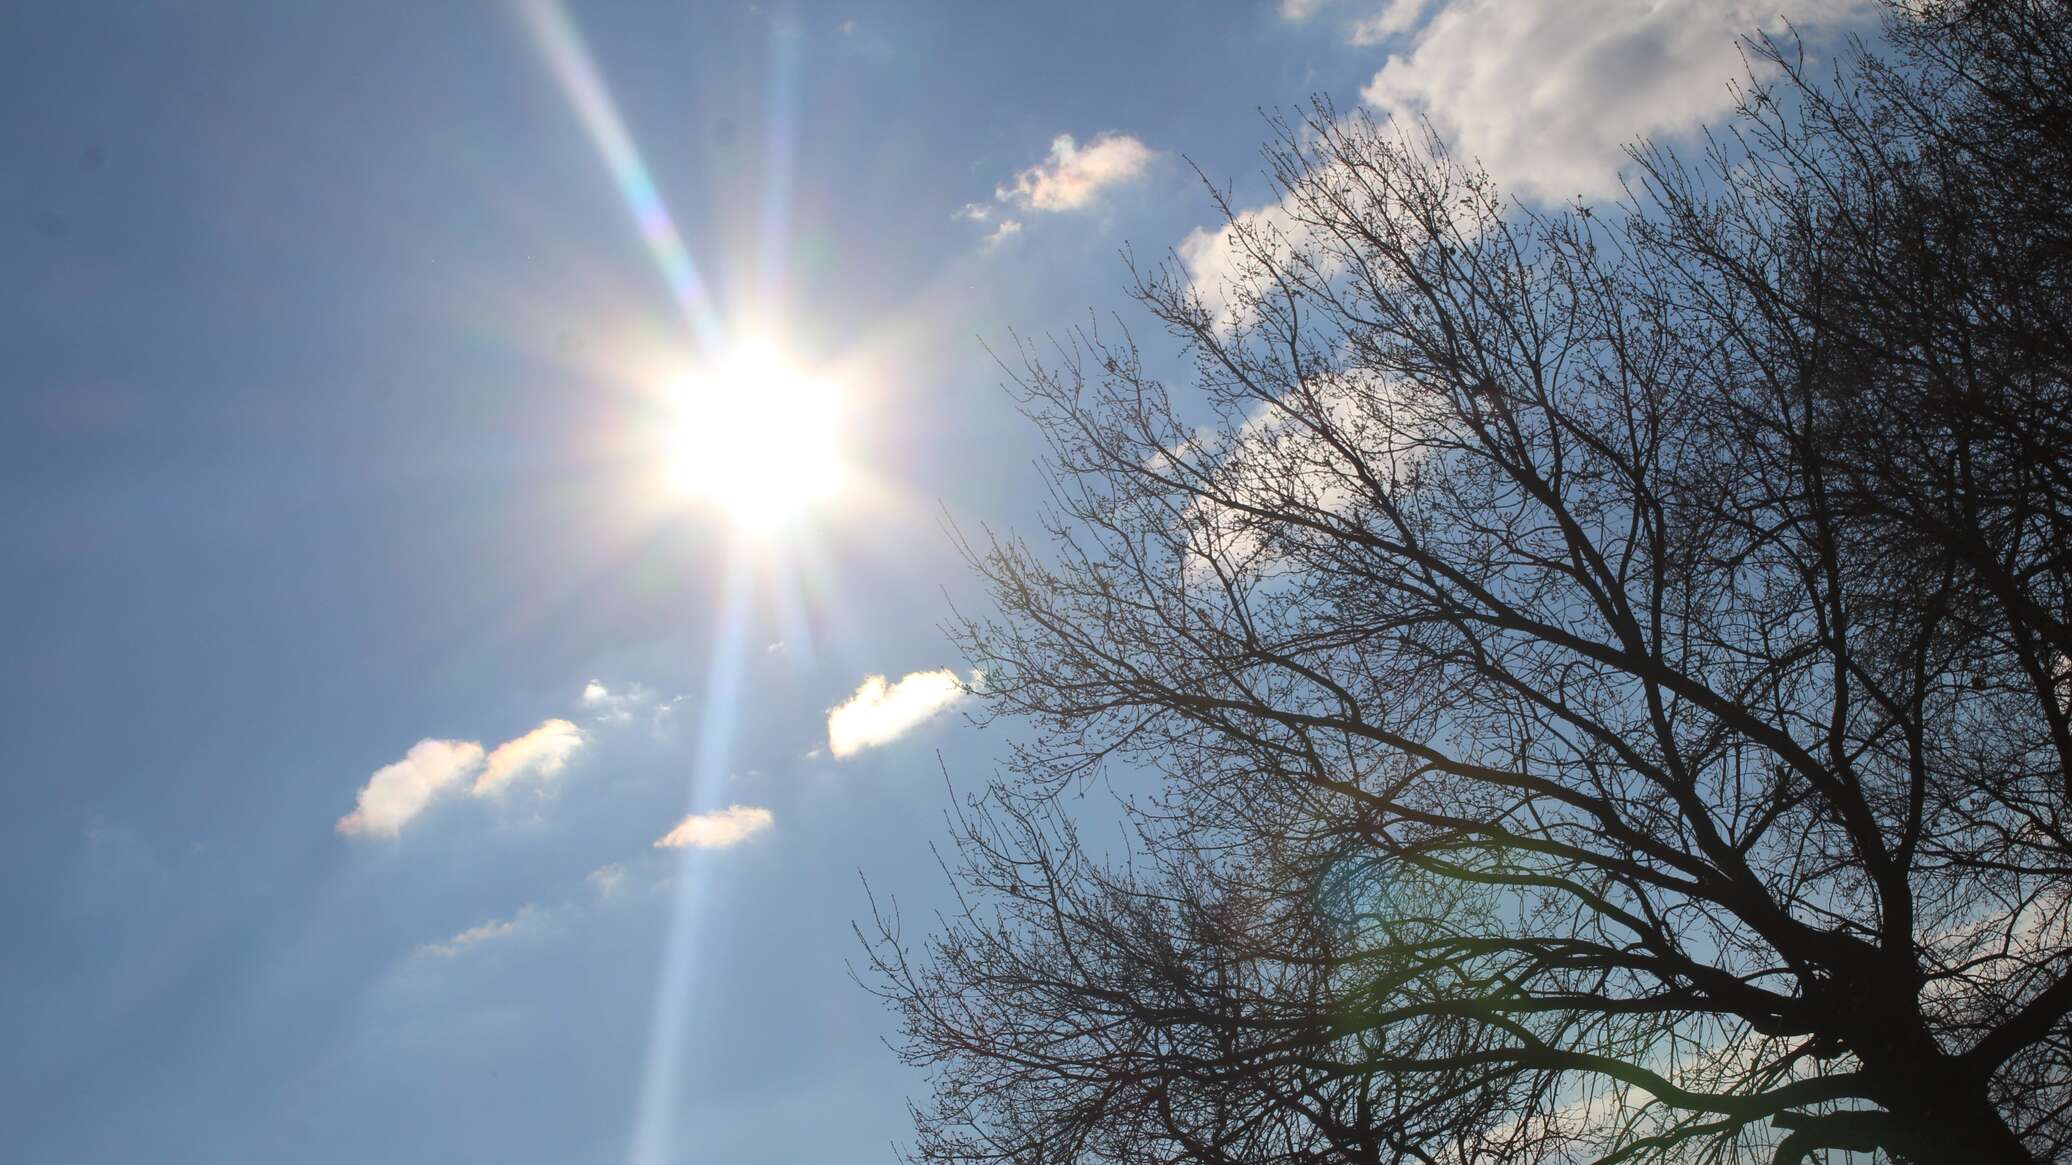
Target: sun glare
[757,437]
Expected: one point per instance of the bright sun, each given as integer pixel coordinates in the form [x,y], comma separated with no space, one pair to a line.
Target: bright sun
[757,437]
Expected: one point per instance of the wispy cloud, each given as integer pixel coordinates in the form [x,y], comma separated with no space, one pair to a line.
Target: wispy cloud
[879,712]
[717,829]
[397,793]
[474,936]
[1386,20]
[1003,226]
[622,705]
[539,754]
[607,880]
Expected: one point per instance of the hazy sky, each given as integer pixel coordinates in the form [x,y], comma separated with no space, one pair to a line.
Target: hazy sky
[401,763]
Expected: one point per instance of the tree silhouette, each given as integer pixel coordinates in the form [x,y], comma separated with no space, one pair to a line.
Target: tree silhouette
[1587,685]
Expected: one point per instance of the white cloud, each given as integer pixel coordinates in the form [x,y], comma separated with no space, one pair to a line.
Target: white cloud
[717,829]
[396,793]
[1073,175]
[878,712]
[1389,19]
[609,707]
[1274,462]
[1223,263]
[1546,95]
[1297,11]
[475,936]
[541,753]
[1003,228]
[1216,260]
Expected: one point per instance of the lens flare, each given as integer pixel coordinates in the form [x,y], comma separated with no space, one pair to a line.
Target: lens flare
[568,59]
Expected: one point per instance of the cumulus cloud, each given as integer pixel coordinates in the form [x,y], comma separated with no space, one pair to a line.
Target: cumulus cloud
[879,712]
[1546,95]
[1275,461]
[396,793]
[717,829]
[475,936]
[1074,175]
[541,754]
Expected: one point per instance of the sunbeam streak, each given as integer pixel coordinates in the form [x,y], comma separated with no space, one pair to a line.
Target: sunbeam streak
[569,60]
[654,1119]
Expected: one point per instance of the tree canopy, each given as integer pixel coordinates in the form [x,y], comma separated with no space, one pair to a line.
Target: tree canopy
[1603,670]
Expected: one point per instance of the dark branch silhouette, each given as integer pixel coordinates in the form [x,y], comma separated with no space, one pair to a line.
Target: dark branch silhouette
[1585,685]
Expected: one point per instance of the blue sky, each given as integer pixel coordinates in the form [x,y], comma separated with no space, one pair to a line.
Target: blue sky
[359,650]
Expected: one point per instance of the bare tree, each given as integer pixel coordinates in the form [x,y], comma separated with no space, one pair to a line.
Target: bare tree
[1595,681]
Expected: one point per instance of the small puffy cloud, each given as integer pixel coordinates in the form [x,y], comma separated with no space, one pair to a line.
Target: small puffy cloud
[399,792]
[1073,175]
[474,936]
[612,707]
[1546,96]
[717,829]
[396,793]
[879,712]
[541,753]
